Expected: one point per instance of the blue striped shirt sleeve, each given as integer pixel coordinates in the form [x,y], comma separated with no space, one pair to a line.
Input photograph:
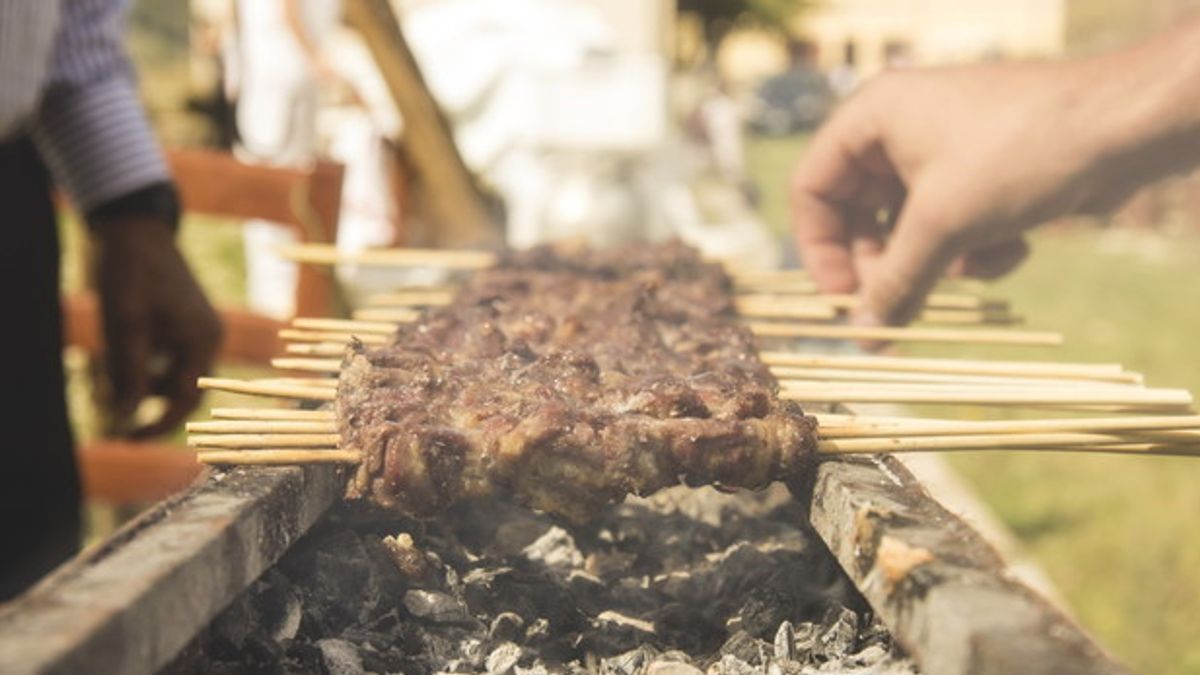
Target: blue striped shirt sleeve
[91,129]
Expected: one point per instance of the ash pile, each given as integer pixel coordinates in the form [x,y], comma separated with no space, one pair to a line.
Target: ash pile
[690,581]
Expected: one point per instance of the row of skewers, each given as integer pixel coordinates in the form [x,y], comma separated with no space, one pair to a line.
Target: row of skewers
[1125,415]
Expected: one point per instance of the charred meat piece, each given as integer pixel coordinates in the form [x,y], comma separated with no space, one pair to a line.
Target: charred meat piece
[567,380]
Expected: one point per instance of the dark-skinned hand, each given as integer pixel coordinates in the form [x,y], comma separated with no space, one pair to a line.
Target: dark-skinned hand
[160,331]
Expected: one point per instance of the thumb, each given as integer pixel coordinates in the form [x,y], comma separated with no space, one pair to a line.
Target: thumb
[919,251]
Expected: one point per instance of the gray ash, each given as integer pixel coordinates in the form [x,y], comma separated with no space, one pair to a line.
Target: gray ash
[686,582]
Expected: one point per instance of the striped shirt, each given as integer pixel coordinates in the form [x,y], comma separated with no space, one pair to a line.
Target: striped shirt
[65,79]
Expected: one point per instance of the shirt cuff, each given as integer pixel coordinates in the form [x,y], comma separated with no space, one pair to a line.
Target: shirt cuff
[97,142]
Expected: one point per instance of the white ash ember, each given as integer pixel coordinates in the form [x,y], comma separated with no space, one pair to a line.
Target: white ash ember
[688,581]
[565,381]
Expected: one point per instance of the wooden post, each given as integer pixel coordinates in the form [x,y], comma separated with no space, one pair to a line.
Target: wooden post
[453,197]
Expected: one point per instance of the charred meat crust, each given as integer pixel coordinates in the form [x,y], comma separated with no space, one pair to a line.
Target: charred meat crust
[566,380]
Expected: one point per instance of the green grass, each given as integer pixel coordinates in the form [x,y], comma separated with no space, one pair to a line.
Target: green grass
[1116,534]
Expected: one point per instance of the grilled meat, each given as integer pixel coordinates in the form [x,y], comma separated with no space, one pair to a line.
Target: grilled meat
[568,380]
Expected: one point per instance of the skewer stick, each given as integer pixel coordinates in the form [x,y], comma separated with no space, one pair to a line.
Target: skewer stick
[1131,398]
[309,365]
[885,376]
[316,349]
[1031,369]
[245,441]
[345,325]
[432,297]
[302,381]
[257,388]
[1050,441]
[272,414]
[279,457]
[325,254]
[262,427]
[843,301]
[394,315]
[833,427]
[897,334]
[786,310]
[331,336]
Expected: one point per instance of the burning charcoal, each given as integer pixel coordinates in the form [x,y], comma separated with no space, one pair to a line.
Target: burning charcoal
[870,656]
[537,631]
[506,627]
[609,564]
[503,659]
[615,633]
[785,642]
[277,607]
[839,635]
[556,550]
[340,657]
[744,647]
[732,665]
[434,606]
[673,668]
[687,627]
[409,559]
[629,663]
[805,641]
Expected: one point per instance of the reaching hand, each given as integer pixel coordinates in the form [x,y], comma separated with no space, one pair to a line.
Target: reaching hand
[160,332]
[928,171]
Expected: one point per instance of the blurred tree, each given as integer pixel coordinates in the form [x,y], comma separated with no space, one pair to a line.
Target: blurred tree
[720,16]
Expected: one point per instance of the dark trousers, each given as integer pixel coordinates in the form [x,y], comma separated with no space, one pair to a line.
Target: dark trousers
[39,483]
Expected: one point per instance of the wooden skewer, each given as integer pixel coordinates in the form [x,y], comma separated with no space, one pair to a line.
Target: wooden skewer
[896,334]
[1060,441]
[885,376]
[786,310]
[279,457]
[412,298]
[272,414]
[316,349]
[255,388]
[1169,428]
[395,315]
[1031,369]
[833,427]
[263,427]
[1130,398]
[309,365]
[301,381]
[1065,442]
[324,254]
[345,325]
[329,441]
[935,301]
[331,336]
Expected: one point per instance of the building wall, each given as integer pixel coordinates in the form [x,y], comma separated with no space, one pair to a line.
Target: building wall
[933,31]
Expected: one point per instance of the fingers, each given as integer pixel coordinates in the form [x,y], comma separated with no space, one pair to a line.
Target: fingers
[127,351]
[918,253]
[996,260]
[194,354]
[830,189]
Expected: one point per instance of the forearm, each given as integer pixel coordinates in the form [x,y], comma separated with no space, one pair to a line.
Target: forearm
[1146,107]
[91,128]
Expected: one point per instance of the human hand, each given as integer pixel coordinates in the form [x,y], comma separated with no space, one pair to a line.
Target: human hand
[929,171]
[160,331]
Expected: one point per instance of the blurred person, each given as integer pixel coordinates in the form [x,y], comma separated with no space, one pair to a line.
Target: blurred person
[280,67]
[68,99]
[843,79]
[926,171]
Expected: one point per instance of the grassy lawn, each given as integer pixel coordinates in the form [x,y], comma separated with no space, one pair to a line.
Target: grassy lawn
[1115,533]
